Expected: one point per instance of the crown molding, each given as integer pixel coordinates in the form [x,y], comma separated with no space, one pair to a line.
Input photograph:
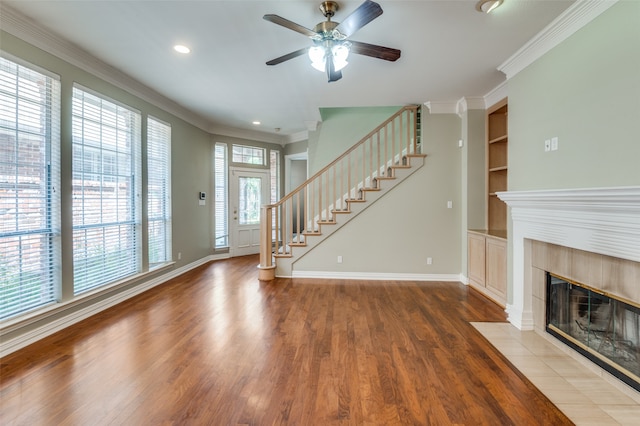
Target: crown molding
[442,107]
[496,95]
[467,103]
[571,20]
[253,135]
[297,137]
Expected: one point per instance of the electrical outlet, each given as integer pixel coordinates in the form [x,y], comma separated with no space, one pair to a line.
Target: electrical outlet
[554,143]
[429,261]
[339,259]
[179,255]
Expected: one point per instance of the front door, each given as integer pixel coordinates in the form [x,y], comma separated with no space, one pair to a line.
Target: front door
[249,190]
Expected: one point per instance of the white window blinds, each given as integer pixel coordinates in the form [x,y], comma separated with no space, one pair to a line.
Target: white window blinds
[106,180]
[29,188]
[159,191]
[274,171]
[221,198]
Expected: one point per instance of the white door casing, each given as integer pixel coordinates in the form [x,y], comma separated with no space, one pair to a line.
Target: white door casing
[248,191]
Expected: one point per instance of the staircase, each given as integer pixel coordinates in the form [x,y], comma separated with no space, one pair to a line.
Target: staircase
[339,192]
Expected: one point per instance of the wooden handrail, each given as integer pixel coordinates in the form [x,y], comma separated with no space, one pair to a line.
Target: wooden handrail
[316,201]
[347,152]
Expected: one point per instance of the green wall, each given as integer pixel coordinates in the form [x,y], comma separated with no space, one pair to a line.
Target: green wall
[586,92]
[342,128]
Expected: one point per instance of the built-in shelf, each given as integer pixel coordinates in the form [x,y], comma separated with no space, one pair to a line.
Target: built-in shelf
[497,167]
[502,138]
[487,249]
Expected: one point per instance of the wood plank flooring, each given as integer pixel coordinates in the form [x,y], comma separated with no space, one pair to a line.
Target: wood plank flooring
[217,347]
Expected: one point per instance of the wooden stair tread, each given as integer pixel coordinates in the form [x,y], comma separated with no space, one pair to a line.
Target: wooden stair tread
[283,255]
[340,211]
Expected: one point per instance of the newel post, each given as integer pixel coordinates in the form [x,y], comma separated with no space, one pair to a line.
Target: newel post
[266,268]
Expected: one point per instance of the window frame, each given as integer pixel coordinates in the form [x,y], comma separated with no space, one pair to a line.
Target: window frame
[40,286]
[247,154]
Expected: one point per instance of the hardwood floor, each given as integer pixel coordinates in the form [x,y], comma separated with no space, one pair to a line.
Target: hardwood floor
[217,347]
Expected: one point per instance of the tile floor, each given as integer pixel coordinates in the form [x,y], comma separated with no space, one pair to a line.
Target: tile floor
[584,392]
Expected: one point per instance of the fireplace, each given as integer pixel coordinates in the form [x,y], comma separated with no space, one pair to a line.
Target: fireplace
[590,240]
[604,329]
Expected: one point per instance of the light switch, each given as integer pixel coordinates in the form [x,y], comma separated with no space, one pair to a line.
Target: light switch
[547,145]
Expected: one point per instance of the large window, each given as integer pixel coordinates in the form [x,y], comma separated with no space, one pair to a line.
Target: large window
[29,188]
[221,198]
[106,193]
[159,191]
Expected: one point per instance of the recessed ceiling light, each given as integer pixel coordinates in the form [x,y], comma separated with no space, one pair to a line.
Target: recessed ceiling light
[486,6]
[256,123]
[181,48]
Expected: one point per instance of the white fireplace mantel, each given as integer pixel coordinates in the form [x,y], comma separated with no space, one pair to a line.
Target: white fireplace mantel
[599,220]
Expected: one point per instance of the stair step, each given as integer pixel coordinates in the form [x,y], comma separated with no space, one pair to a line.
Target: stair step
[340,211]
[311,233]
[369,189]
[401,166]
[283,255]
[386,177]
[326,222]
[292,244]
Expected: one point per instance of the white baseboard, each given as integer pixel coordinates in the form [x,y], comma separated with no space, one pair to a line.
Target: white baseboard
[377,276]
[76,315]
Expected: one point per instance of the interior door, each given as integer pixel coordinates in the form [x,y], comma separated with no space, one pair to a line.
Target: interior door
[249,190]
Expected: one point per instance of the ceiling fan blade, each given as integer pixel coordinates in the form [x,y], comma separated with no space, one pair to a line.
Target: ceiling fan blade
[289,24]
[288,56]
[375,51]
[365,13]
[332,74]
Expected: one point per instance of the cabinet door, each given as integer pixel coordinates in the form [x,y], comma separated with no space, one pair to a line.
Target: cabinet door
[476,259]
[496,279]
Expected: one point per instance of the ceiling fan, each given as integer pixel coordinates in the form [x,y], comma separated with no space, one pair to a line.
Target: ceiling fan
[330,45]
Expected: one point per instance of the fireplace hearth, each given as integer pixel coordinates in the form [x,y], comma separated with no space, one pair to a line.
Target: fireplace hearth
[604,329]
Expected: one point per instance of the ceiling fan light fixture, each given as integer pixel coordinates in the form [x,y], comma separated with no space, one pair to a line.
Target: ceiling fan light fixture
[318,55]
[486,6]
[340,53]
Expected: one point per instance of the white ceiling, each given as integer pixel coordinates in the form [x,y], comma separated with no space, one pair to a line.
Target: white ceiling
[449,51]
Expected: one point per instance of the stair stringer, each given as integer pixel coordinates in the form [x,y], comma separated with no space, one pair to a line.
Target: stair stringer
[284,265]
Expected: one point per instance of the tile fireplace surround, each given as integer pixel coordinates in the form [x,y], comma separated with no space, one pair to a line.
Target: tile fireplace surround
[588,235]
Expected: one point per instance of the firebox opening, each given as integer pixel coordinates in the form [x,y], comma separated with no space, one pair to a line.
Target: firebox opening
[602,328]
